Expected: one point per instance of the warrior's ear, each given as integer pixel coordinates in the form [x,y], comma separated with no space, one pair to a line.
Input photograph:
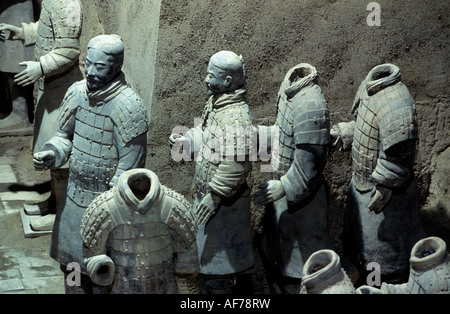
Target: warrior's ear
[228,81]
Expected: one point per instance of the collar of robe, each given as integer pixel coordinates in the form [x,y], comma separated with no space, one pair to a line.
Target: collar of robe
[139,189]
[221,100]
[109,91]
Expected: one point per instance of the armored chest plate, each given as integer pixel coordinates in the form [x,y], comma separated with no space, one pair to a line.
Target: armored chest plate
[284,123]
[226,133]
[94,157]
[365,147]
[383,120]
[302,119]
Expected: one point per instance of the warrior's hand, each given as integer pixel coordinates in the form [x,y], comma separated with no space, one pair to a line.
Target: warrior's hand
[380,196]
[15,33]
[269,192]
[341,135]
[207,208]
[30,75]
[175,138]
[43,159]
[335,138]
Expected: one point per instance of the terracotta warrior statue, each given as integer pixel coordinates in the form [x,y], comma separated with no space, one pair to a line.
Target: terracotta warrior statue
[323,274]
[429,271]
[102,131]
[222,197]
[56,40]
[296,218]
[17,109]
[382,215]
[146,230]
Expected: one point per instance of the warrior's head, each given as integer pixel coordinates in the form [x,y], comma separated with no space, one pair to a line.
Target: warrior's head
[103,61]
[226,72]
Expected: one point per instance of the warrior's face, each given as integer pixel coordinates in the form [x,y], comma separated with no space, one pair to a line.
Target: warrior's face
[100,69]
[216,80]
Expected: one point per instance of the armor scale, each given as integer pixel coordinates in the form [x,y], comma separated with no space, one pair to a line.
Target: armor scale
[99,128]
[223,121]
[385,117]
[140,224]
[302,117]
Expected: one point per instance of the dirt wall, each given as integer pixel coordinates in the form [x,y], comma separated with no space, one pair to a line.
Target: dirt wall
[137,23]
[273,36]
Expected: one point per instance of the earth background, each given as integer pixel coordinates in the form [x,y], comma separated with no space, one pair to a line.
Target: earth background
[169,43]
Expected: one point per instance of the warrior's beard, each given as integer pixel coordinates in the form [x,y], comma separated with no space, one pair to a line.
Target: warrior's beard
[94,83]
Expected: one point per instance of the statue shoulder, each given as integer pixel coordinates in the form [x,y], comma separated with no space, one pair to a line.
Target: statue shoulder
[74,96]
[177,214]
[129,115]
[97,222]
[237,115]
[397,115]
[311,117]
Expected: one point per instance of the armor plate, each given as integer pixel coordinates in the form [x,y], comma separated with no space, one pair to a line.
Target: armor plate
[227,134]
[383,154]
[140,234]
[99,129]
[429,273]
[302,119]
[323,274]
[383,119]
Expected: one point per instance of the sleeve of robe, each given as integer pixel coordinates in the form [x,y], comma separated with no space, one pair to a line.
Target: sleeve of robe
[61,142]
[397,135]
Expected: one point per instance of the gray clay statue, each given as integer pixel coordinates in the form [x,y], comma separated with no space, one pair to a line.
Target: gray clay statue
[56,40]
[297,215]
[323,274]
[429,271]
[57,48]
[12,53]
[382,219]
[102,131]
[143,233]
[222,198]
[56,37]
